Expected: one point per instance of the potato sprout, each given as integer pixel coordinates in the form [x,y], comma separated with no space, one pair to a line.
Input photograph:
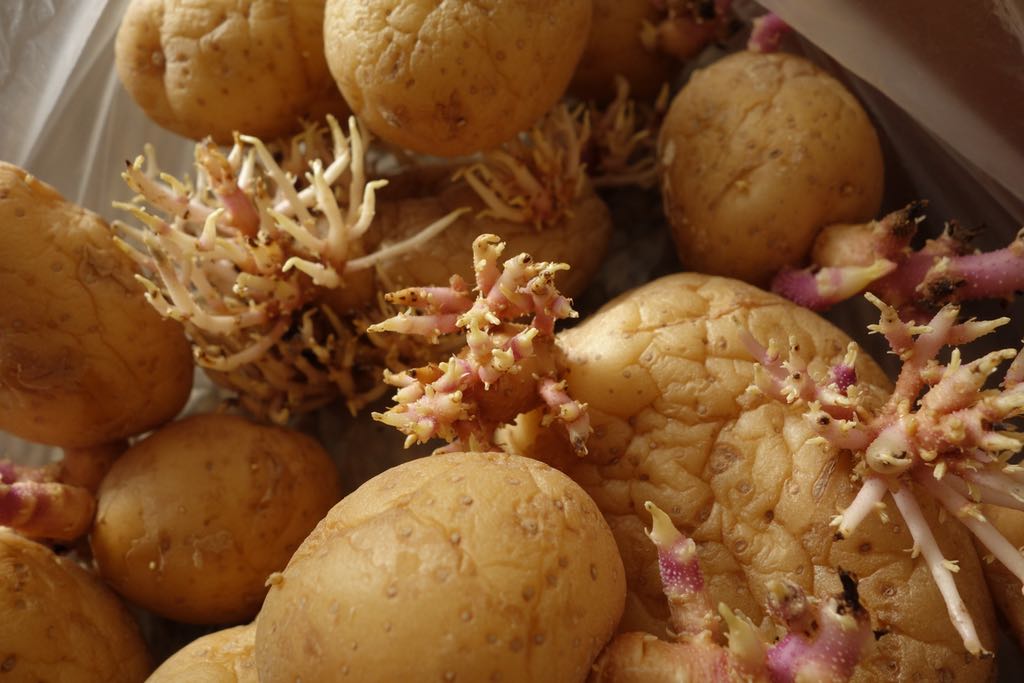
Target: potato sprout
[940,433]
[451,400]
[821,642]
[242,256]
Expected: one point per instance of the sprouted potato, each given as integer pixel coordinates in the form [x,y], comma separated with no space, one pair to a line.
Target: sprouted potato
[758,152]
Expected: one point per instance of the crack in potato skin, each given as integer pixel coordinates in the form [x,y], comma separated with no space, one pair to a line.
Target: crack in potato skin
[663,369]
[453,77]
[84,360]
[757,153]
[484,565]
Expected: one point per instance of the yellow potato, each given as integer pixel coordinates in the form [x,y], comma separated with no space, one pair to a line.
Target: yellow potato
[212,67]
[221,657]
[59,623]
[192,520]
[457,77]
[663,369]
[455,567]
[614,48]
[84,360]
[1005,587]
[758,153]
[579,238]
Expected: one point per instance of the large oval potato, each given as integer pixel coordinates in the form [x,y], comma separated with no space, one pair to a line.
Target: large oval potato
[454,567]
[663,369]
[192,520]
[84,360]
[59,623]
[212,67]
[457,77]
[220,657]
[758,153]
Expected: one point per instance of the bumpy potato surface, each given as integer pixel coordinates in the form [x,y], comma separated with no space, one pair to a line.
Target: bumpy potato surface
[757,153]
[221,657]
[664,371]
[212,67]
[454,77]
[84,360]
[58,623]
[192,520]
[1005,587]
[455,567]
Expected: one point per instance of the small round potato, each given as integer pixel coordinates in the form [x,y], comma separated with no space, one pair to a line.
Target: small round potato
[455,567]
[221,657]
[192,520]
[212,67]
[59,623]
[84,360]
[758,153]
[457,77]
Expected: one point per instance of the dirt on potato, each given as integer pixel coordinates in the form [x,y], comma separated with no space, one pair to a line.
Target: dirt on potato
[664,372]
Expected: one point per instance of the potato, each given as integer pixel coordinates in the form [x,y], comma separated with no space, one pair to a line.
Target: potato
[614,49]
[192,520]
[212,67]
[1005,587]
[662,369]
[455,567]
[220,657]
[757,153]
[60,623]
[84,360]
[454,78]
[580,239]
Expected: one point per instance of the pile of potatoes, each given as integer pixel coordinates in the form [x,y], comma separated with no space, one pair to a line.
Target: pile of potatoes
[459,566]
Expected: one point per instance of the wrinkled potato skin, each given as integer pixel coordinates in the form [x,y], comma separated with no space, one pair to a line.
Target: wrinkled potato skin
[84,360]
[192,520]
[757,153]
[212,67]
[454,77]
[481,566]
[60,623]
[221,657]
[580,239]
[614,49]
[662,369]
[1005,587]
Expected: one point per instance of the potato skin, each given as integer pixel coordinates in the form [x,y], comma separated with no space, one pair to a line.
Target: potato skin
[211,67]
[220,657]
[60,623]
[192,520]
[463,566]
[758,153]
[1005,587]
[579,239]
[84,360]
[614,49]
[456,77]
[663,370]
